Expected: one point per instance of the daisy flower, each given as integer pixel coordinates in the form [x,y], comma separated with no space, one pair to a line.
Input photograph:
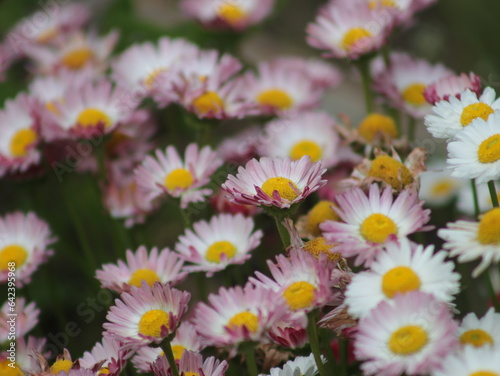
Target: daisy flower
[191,363]
[437,187]
[221,204]
[241,147]
[302,281]
[370,223]
[453,115]
[24,239]
[452,86]
[305,365]
[475,151]
[471,361]
[465,201]
[238,314]
[233,14]
[400,269]
[19,134]
[405,82]
[186,339]
[309,133]
[108,355]
[290,331]
[213,246]
[26,350]
[276,182]
[27,318]
[480,332]
[472,240]
[411,334]
[308,225]
[376,126]
[139,66]
[348,29]
[145,315]
[158,266]
[76,51]
[168,174]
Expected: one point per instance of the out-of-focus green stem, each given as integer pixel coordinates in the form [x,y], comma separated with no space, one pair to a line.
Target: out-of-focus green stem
[491,290]
[251,362]
[312,333]
[474,197]
[364,69]
[493,193]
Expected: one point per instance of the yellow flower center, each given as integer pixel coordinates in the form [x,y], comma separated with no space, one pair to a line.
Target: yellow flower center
[93,117]
[383,3]
[484,373]
[319,245]
[152,321]
[178,350]
[6,370]
[489,228]
[400,279]
[151,78]
[299,295]
[47,36]
[321,212]
[247,319]
[77,58]
[191,373]
[208,102]
[391,171]
[489,150]
[12,253]
[376,125]
[179,179]
[354,36]
[310,148]
[443,188]
[21,141]
[474,111]
[275,98]
[414,94]
[140,275]
[408,340]
[231,13]
[282,185]
[377,227]
[103,371]
[61,365]
[216,250]
[476,338]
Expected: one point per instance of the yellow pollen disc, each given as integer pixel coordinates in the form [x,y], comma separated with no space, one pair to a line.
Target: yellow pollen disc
[376,125]
[247,319]
[12,253]
[484,373]
[319,245]
[282,185]
[443,188]
[476,338]
[414,94]
[299,295]
[321,212]
[191,374]
[231,13]
[61,365]
[216,250]
[6,370]
[152,321]
[93,117]
[489,150]
[408,340]
[77,58]
[275,98]
[383,3]
[21,141]
[310,148]
[140,275]
[178,350]
[179,179]
[47,36]
[474,111]
[489,228]
[354,36]
[377,227]
[103,371]
[51,106]
[208,102]
[391,171]
[151,78]
[400,279]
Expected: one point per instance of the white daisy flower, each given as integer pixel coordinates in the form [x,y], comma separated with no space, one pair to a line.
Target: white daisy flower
[475,151]
[471,362]
[398,270]
[437,186]
[480,332]
[455,114]
[301,365]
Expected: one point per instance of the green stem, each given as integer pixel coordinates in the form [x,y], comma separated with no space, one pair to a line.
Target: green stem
[201,282]
[312,333]
[364,69]
[474,197]
[343,354]
[493,193]
[284,235]
[412,127]
[167,349]
[491,291]
[250,361]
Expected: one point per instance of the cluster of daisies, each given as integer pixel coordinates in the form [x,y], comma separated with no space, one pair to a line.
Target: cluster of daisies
[355,286]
